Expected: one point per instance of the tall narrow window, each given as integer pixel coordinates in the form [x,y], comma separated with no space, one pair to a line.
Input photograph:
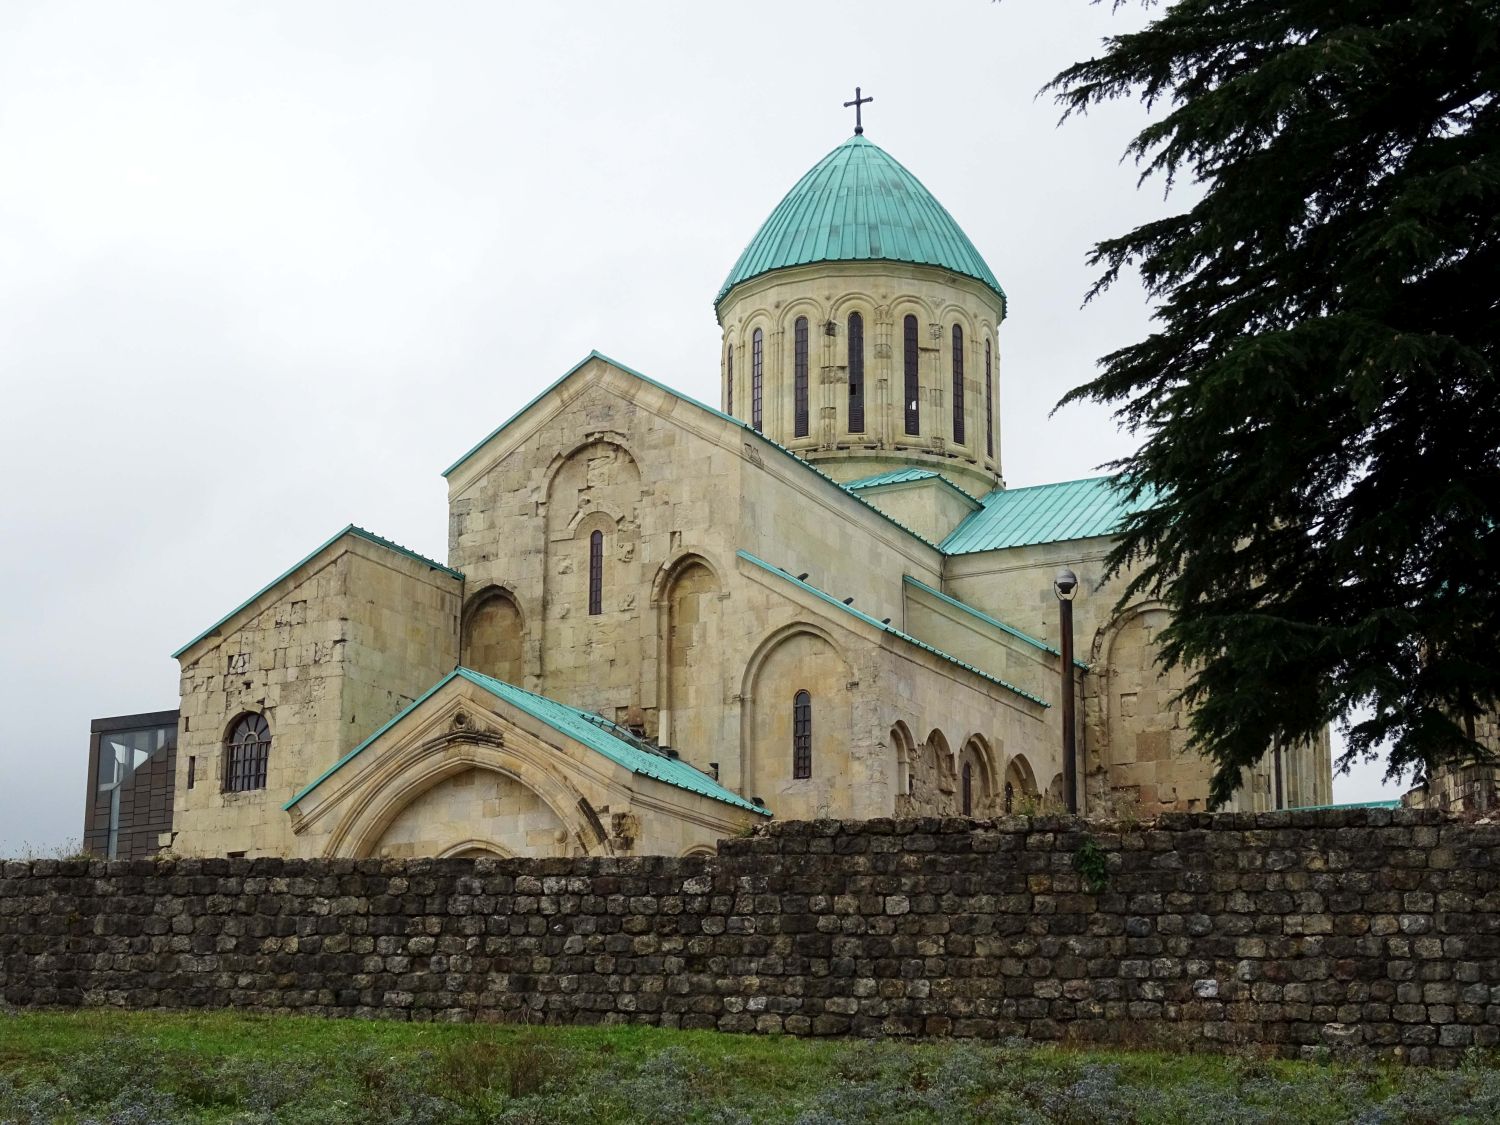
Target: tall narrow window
[596,573]
[913,412]
[799,378]
[729,377]
[968,789]
[989,402]
[856,373]
[247,754]
[802,735]
[757,355]
[958,385]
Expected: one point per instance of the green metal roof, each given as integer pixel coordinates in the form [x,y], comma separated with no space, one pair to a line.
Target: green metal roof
[980,615]
[593,731]
[895,476]
[907,476]
[1044,513]
[884,627]
[351,529]
[859,204]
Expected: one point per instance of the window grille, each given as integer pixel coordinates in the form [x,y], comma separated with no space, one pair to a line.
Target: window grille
[756,358]
[596,573]
[968,789]
[958,385]
[802,735]
[799,377]
[247,754]
[913,411]
[856,373]
[989,402]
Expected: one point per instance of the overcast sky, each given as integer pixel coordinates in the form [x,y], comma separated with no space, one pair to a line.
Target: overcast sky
[266,269]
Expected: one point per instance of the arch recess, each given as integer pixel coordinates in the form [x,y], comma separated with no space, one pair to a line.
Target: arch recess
[563,458]
[796,657]
[412,772]
[690,688]
[977,758]
[1020,782]
[905,746]
[802,306]
[476,849]
[493,635]
[669,571]
[853,300]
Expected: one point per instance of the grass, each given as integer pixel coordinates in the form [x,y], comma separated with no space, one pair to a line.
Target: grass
[134,1068]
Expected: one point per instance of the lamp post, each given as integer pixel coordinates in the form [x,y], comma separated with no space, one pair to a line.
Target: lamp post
[1065,586]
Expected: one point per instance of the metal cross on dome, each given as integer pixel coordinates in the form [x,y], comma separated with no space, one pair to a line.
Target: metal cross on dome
[859,125]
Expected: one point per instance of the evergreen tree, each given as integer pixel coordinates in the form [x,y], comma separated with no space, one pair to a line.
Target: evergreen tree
[1318,401]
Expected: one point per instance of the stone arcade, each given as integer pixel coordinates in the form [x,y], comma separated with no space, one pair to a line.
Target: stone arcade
[661,621]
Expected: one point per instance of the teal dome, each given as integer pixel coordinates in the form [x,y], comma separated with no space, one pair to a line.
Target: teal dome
[859,205]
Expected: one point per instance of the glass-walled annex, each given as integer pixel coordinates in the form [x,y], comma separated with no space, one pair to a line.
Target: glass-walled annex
[132,760]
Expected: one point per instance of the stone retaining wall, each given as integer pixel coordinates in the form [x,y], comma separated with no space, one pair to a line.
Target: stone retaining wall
[1354,930]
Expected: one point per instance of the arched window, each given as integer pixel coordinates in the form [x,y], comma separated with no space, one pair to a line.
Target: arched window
[757,355]
[913,412]
[856,373]
[799,377]
[247,751]
[802,735]
[729,378]
[596,573]
[958,384]
[968,784]
[989,402]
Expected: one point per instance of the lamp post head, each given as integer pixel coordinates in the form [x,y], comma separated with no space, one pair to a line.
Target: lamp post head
[1065,585]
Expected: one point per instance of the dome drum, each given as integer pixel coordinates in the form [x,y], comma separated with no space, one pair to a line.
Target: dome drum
[862,401]
[861,327]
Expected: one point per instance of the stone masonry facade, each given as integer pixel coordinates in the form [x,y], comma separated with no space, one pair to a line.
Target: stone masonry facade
[1366,932]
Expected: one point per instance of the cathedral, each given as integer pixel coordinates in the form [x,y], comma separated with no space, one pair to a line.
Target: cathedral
[661,622]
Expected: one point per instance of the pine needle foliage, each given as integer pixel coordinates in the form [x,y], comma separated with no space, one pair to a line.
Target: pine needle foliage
[1317,400]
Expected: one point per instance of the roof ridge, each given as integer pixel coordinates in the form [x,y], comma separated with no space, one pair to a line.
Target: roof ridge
[347,529]
[1036,642]
[999,493]
[1055,512]
[890,475]
[886,627]
[700,783]
[660,766]
[740,423]
[393,545]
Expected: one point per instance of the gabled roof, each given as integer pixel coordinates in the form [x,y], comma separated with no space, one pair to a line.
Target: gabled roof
[1044,513]
[351,529]
[908,476]
[1006,517]
[980,615]
[563,378]
[738,423]
[859,204]
[886,627]
[895,476]
[592,731]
